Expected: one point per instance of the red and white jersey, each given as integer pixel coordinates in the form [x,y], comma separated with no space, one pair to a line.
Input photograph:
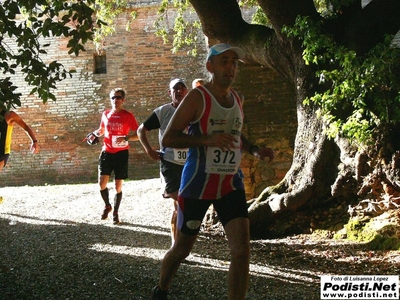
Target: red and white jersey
[117,124]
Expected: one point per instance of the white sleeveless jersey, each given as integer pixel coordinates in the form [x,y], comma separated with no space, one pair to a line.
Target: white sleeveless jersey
[209,172]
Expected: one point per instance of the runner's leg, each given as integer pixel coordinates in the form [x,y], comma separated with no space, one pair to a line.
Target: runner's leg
[238,235]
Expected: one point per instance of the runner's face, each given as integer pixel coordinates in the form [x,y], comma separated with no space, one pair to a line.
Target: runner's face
[116,100]
[224,67]
[178,92]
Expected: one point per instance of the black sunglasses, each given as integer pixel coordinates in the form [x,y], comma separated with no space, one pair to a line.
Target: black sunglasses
[117,97]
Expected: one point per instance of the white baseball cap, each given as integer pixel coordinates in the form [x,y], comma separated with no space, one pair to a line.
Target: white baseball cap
[221,48]
[175,82]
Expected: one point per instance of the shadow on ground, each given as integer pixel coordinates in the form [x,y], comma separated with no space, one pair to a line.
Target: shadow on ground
[45,255]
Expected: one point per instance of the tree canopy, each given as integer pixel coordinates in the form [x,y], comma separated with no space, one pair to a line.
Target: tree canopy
[27,24]
[356,94]
[27,27]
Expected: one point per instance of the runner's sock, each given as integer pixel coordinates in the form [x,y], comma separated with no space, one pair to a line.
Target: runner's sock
[104,195]
[117,202]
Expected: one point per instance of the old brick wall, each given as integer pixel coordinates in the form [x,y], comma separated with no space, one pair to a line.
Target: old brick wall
[139,62]
[270,120]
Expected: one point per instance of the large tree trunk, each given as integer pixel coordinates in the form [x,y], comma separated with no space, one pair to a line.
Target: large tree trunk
[316,170]
[329,182]
[326,175]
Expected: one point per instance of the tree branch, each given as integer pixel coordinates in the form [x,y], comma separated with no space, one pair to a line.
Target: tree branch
[284,12]
[220,19]
[222,22]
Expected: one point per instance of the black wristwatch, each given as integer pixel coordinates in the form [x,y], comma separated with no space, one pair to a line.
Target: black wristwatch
[253,148]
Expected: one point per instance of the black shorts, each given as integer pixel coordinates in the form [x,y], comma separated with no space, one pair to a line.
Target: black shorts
[191,212]
[171,176]
[117,162]
[4,158]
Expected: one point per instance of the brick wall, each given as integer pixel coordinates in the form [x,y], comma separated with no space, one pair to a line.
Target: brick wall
[139,62]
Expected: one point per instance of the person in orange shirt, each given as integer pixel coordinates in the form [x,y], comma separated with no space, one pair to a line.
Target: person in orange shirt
[197,82]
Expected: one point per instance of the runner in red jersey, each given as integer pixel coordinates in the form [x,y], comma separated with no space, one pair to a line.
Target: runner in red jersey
[116,125]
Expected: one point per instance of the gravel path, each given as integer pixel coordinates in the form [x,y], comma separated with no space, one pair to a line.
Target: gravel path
[54,246]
